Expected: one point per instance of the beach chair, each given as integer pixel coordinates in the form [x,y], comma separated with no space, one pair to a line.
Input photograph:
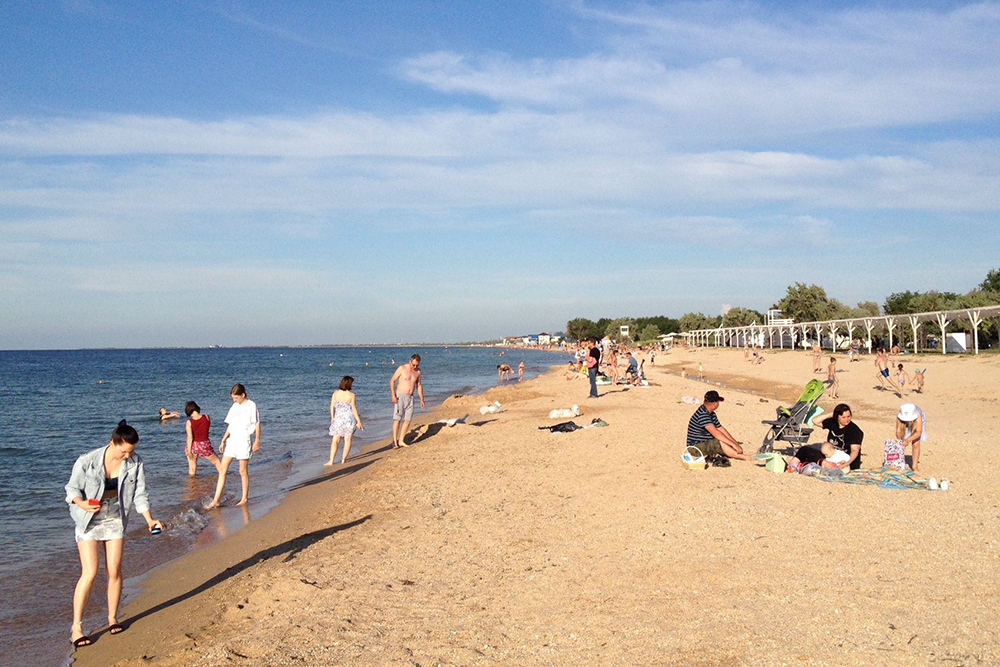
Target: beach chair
[791,424]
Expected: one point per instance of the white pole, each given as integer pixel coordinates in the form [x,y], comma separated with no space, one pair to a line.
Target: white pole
[869,325]
[943,323]
[833,337]
[976,321]
[914,324]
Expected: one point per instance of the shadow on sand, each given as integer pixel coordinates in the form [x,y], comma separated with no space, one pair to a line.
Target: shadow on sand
[430,430]
[289,549]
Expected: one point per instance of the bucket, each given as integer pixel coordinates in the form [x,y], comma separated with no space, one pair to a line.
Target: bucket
[693,459]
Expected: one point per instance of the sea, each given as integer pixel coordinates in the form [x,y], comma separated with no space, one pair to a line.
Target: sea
[57,405]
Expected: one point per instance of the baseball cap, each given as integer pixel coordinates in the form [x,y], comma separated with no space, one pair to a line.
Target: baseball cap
[713,397]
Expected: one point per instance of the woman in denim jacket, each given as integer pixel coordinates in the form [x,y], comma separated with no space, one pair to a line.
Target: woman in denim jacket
[106,483]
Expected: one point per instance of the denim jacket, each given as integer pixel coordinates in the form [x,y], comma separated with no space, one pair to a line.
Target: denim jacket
[87,481]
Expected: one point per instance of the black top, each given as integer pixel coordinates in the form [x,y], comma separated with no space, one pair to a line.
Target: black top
[843,438]
[110,484]
[595,352]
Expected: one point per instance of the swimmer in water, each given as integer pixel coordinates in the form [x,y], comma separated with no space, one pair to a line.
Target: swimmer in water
[164,415]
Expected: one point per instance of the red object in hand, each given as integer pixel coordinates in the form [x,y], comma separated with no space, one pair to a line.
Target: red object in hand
[94,502]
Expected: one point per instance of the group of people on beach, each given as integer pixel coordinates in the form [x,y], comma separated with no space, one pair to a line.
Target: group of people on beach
[596,361]
[108,483]
[842,448]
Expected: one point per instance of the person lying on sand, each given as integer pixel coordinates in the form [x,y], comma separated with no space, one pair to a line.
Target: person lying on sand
[711,437]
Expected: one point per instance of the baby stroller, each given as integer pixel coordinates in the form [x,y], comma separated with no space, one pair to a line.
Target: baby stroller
[791,424]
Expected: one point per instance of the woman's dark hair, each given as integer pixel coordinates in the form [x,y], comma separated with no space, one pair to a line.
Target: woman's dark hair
[238,390]
[191,407]
[841,409]
[124,433]
[346,383]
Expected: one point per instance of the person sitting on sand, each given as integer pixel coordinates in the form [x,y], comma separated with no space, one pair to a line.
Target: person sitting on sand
[758,357]
[911,428]
[708,435]
[901,379]
[831,377]
[164,415]
[632,370]
[842,433]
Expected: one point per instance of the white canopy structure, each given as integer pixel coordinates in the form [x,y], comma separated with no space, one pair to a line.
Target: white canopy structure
[742,335]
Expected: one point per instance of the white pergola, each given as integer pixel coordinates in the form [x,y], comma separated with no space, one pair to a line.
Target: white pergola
[752,333]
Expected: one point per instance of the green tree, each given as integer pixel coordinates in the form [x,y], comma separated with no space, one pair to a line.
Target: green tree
[738,317]
[579,328]
[664,324]
[613,329]
[992,282]
[649,332]
[866,309]
[693,321]
[808,303]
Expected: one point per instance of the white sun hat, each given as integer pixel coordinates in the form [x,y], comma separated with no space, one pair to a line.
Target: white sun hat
[908,412]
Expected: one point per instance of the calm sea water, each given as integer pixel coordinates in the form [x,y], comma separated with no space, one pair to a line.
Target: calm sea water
[56,405]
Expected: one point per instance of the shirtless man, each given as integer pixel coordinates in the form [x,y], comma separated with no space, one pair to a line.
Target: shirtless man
[503,372]
[882,370]
[817,358]
[408,379]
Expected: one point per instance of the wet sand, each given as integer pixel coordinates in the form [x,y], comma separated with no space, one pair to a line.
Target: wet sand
[500,543]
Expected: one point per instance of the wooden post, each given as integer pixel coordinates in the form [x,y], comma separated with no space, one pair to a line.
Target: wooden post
[850,332]
[833,336]
[915,325]
[770,336]
[942,319]
[869,325]
[890,324]
[976,321]
[819,334]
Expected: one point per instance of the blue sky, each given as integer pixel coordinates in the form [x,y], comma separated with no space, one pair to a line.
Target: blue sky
[239,173]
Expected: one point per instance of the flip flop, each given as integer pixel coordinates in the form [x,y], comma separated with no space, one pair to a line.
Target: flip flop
[82,641]
[115,628]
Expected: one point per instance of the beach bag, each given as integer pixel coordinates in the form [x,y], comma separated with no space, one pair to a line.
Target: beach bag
[693,459]
[895,454]
[773,461]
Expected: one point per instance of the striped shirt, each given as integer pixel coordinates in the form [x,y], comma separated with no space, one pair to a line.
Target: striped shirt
[696,427]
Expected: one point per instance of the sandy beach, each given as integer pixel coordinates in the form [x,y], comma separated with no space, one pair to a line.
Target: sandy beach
[498,543]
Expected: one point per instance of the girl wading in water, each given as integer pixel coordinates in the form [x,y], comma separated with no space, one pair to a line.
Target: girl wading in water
[198,442]
[105,485]
[344,418]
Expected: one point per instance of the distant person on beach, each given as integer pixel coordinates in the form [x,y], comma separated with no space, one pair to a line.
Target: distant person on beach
[632,370]
[831,377]
[164,415]
[503,372]
[344,418]
[406,380]
[611,361]
[901,379]
[854,352]
[243,422]
[198,442]
[918,379]
[882,369]
[911,428]
[593,362]
[711,437]
[104,487]
[817,358]
[520,371]
[842,433]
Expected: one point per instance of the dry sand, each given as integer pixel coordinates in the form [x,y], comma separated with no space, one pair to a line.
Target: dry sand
[501,543]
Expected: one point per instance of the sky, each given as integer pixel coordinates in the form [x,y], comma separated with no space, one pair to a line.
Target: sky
[247,173]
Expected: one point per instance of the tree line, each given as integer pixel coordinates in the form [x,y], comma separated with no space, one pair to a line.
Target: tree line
[802,303]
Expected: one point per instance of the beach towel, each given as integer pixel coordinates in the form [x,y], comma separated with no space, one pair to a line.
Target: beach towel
[884,478]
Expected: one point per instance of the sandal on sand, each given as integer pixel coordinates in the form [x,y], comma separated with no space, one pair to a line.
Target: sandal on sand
[82,640]
[115,628]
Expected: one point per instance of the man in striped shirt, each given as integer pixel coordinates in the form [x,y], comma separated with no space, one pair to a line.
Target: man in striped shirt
[707,434]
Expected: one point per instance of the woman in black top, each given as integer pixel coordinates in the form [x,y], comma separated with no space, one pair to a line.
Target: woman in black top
[842,433]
